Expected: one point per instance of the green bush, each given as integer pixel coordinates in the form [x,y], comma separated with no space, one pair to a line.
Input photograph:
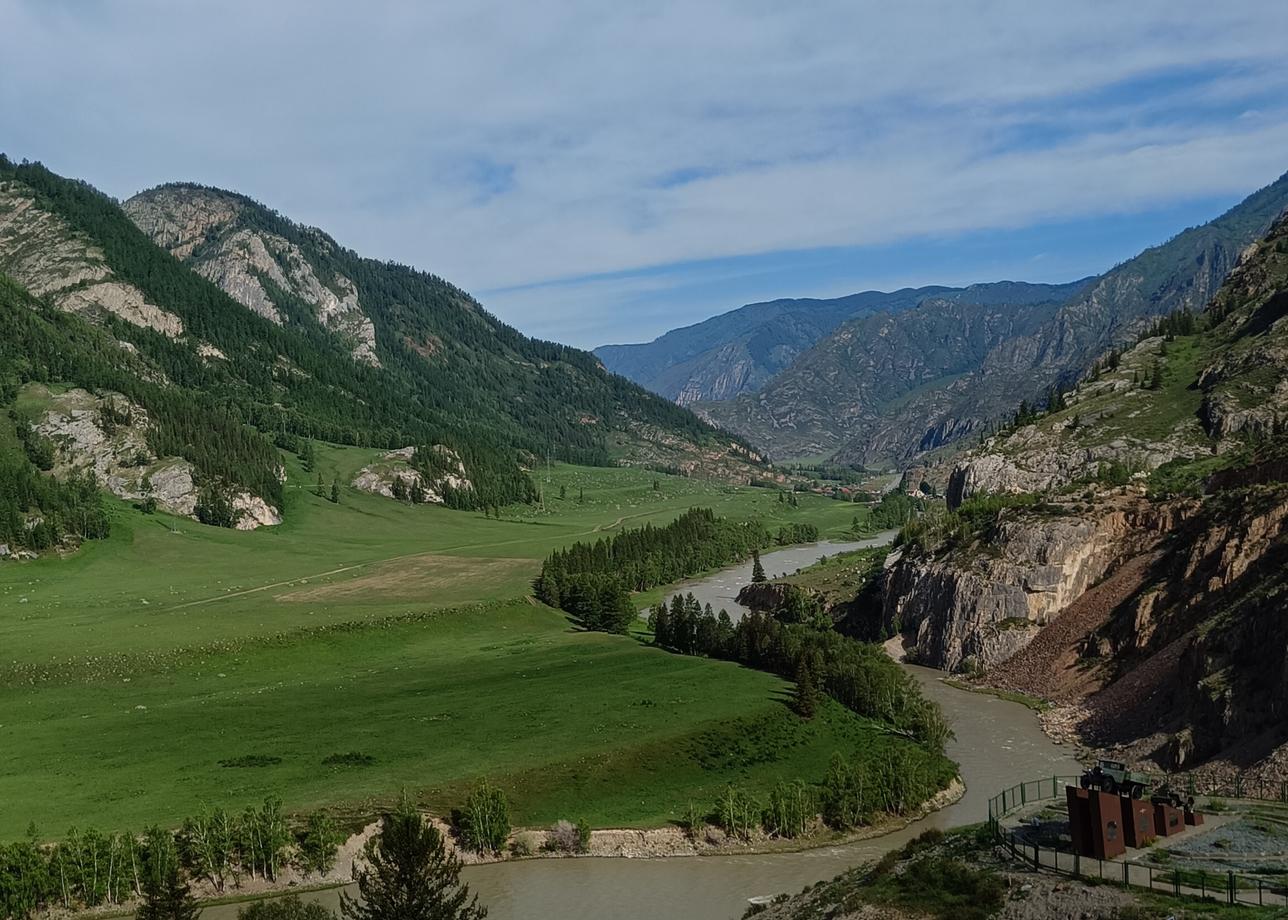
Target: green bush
[484,822]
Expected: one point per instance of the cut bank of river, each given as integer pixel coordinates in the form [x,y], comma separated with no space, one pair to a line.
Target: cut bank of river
[997,744]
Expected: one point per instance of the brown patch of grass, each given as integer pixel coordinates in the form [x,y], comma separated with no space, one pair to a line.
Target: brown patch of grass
[414,577]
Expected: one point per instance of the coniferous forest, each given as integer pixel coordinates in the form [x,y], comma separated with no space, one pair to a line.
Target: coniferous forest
[593,581]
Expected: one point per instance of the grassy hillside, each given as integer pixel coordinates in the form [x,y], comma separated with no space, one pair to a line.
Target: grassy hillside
[399,632]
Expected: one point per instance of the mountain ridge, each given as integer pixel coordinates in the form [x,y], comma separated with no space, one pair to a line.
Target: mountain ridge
[288,336]
[1025,365]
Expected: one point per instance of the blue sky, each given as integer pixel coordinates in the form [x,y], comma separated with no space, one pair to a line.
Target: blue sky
[604,172]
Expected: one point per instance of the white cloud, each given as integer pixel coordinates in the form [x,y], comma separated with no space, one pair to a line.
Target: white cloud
[506,144]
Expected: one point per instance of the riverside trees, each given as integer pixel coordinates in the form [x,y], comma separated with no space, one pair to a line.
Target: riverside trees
[88,868]
[858,675]
[593,581]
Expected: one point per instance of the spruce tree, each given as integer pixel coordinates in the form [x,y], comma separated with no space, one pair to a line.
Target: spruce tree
[757,570]
[167,898]
[335,492]
[409,875]
[806,698]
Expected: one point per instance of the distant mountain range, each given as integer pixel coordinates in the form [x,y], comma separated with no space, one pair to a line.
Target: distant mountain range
[739,351]
[881,379]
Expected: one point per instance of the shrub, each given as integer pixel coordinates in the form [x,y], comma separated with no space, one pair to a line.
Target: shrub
[251,760]
[485,821]
[523,845]
[583,836]
[318,846]
[737,813]
[790,810]
[563,837]
[351,759]
[692,821]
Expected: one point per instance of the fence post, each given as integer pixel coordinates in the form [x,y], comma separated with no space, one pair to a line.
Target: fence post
[1023,795]
[1037,863]
[1054,787]
[1176,882]
[1126,873]
[1233,890]
[1077,864]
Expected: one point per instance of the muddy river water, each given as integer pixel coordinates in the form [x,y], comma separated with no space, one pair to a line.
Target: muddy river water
[997,744]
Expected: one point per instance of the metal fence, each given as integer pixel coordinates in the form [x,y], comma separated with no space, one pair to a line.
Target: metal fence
[1230,887]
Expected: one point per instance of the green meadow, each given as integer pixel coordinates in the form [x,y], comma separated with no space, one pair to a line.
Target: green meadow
[131,669]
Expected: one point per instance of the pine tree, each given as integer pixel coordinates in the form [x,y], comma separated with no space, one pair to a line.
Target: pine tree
[805,701]
[167,898]
[563,493]
[335,492]
[757,570]
[409,875]
[317,490]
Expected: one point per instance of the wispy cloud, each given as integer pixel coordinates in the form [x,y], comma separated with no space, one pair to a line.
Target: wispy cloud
[510,145]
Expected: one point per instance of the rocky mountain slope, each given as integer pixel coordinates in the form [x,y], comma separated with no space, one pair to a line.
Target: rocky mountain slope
[907,403]
[247,334]
[739,351]
[844,385]
[1124,554]
[261,269]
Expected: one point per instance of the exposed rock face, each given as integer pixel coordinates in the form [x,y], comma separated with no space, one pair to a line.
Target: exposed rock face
[1179,658]
[201,227]
[1192,671]
[980,604]
[50,259]
[253,512]
[118,455]
[378,478]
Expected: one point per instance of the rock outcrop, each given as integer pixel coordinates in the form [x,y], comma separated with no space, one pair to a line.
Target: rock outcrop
[106,435]
[254,266]
[401,467]
[979,604]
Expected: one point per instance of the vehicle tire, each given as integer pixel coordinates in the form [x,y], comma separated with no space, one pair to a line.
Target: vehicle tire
[1085,782]
[1137,791]
[1110,785]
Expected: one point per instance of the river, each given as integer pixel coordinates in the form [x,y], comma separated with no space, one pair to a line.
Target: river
[997,744]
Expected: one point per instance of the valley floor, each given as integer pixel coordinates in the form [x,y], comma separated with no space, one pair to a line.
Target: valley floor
[175,665]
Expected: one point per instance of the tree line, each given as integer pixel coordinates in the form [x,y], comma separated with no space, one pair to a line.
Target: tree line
[90,868]
[593,581]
